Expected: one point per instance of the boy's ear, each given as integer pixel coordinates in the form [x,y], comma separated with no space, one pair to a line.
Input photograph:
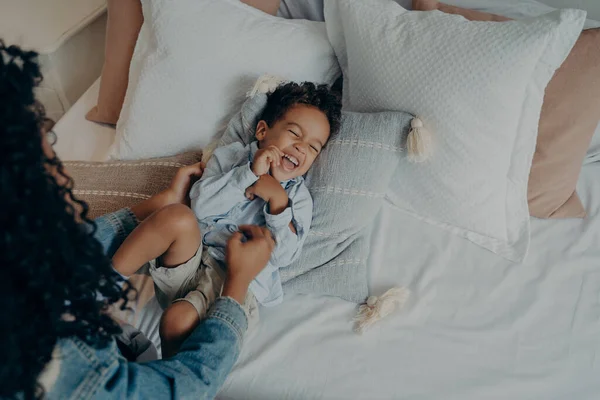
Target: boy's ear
[261,130]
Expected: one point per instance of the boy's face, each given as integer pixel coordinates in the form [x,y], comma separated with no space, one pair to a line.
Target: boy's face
[300,134]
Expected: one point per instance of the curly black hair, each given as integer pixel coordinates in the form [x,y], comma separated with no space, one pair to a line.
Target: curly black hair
[289,94]
[53,270]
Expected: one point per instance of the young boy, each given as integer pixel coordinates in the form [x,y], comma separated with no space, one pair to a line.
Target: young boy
[258,184]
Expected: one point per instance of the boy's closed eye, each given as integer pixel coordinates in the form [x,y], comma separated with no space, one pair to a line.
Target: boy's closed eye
[314,148]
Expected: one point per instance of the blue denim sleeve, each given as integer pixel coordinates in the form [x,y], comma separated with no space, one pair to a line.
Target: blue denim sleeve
[113,228]
[199,369]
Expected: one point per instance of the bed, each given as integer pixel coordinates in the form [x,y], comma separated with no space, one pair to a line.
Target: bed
[476,326]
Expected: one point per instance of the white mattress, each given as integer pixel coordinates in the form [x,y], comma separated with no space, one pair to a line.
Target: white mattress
[476,327]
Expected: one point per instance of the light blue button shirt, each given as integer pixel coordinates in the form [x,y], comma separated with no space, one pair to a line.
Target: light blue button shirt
[220,205]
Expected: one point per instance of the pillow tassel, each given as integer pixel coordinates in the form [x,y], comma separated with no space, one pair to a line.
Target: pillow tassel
[418,142]
[377,308]
[265,84]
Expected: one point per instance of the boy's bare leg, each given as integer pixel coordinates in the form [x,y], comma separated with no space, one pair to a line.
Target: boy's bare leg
[171,233]
[147,207]
[176,324]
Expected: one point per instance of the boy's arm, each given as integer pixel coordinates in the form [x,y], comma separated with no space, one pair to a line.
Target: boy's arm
[223,184]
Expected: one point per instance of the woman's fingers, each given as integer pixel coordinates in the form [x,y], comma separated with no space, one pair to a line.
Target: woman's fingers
[252,231]
[256,232]
[245,259]
[236,239]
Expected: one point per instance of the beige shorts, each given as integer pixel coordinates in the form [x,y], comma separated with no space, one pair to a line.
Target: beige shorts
[198,281]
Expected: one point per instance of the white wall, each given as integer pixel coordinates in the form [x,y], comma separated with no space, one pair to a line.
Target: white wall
[71,69]
[592,6]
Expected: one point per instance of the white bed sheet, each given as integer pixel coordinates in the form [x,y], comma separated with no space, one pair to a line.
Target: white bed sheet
[476,326]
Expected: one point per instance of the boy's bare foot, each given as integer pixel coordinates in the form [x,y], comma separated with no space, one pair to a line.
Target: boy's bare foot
[177,193]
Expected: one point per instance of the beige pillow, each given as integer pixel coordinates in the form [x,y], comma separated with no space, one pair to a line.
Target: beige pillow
[570,115]
[110,186]
[569,118]
[124,22]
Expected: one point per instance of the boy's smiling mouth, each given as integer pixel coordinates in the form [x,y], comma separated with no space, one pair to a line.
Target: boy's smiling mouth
[289,162]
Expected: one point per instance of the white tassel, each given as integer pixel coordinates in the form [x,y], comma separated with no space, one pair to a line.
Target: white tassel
[265,84]
[419,142]
[377,308]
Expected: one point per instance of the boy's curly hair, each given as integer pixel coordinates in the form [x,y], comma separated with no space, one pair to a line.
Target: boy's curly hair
[53,270]
[289,94]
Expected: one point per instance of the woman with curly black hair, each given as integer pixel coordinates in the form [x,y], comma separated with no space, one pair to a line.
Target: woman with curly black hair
[56,337]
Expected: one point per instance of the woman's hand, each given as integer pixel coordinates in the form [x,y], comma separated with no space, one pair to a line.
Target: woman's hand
[246,259]
[181,184]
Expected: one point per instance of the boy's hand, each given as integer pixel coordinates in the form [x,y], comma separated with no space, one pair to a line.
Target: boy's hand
[264,158]
[271,191]
[179,189]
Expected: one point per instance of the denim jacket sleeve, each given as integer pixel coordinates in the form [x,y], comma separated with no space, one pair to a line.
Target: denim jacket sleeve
[198,371]
[112,229]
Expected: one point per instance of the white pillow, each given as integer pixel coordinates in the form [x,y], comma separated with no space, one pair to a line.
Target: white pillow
[515,9]
[478,86]
[522,9]
[199,58]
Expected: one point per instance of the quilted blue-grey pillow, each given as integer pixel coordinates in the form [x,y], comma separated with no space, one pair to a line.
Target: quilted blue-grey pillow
[348,183]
